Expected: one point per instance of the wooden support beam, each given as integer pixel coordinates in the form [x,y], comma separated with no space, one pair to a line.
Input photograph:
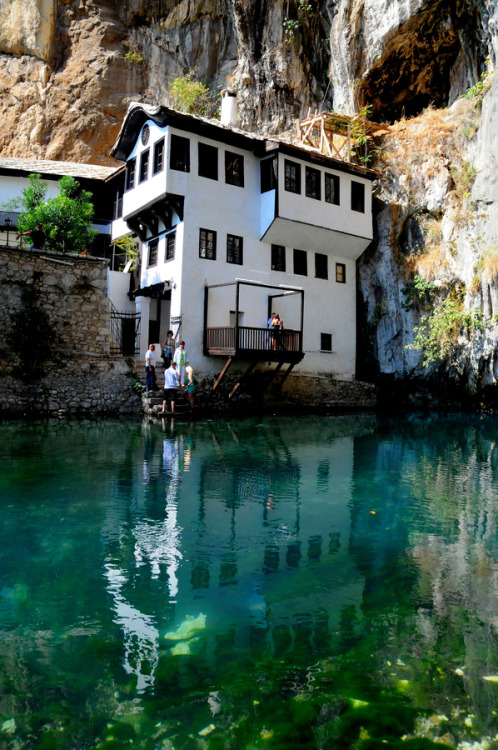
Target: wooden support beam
[286,375]
[218,379]
[244,376]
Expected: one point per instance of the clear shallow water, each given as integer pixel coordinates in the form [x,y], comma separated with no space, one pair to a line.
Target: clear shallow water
[276,583]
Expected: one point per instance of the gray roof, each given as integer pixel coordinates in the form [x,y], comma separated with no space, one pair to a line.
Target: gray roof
[56,168]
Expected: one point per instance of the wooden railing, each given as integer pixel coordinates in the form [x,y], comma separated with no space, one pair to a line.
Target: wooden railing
[252,339]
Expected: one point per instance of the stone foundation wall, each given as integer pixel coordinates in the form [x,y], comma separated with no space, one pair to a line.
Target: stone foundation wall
[70,372]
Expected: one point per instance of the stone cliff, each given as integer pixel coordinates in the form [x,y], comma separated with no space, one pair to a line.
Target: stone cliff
[69,68]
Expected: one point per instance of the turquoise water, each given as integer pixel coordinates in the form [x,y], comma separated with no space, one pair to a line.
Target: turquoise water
[278,583]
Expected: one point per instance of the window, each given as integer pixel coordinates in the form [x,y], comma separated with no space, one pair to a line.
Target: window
[292,177]
[340,273]
[234,169]
[326,342]
[321,266]
[332,189]
[358,197]
[277,258]
[208,161]
[180,154]
[144,166]
[301,262]
[170,246]
[268,174]
[130,174]
[152,260]
[234,249]
[313,186]
[207,244]
[158,157]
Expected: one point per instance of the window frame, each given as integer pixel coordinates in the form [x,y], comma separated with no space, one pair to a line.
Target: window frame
[203,163]
[321,273]
[359,199]
[236,252]
[232,177]
[131,174]
[177,164]
[300,258]
[278,253]
[156,167]
[324,342]
[288,180]
[336,193]
[313,183]
[170,239]
[204,241]
[143,172]
[340,273]
[268,174]
[153,247]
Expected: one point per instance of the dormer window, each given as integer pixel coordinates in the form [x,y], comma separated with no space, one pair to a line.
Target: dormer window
[130,174]
[144,166]
[180,154]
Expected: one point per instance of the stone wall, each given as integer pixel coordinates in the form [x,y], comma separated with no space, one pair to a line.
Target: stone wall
[54,338]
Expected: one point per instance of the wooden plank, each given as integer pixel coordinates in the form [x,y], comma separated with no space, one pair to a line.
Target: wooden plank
[229,362]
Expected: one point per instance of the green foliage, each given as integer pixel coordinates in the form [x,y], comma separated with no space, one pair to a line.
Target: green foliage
[463,176]
[418,292]
[67,218]
[378,312]
[292,25]
[128,246]
[437,334]
[479,89]
[359,133]
[189,95]
[133,56]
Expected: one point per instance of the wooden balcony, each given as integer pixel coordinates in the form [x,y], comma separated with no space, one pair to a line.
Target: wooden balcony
[260,344]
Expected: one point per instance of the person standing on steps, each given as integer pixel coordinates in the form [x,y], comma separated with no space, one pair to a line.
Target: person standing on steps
[168,348]
[181,360]
[189,393]
[150,368]
[170,386]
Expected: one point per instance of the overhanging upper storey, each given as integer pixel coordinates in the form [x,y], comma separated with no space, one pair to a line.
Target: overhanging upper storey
[314,202]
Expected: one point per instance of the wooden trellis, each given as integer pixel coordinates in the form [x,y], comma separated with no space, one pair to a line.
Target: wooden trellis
[334,135]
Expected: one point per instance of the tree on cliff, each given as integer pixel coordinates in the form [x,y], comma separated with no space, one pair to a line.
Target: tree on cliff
[67,218]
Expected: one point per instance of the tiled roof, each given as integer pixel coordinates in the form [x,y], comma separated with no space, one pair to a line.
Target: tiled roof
[56,168]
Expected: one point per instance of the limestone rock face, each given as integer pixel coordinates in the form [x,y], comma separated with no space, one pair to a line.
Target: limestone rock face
[27,27]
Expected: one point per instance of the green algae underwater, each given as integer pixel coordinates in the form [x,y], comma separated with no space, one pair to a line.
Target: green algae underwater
[279,583]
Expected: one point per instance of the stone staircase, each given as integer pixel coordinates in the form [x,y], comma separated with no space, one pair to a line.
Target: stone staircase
[152,402]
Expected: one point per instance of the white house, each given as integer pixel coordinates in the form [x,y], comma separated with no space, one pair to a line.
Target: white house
[234,226]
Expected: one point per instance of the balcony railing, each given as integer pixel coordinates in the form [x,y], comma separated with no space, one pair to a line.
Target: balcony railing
[231,341]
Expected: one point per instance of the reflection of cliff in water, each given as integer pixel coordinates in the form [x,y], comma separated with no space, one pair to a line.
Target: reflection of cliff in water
[424,536]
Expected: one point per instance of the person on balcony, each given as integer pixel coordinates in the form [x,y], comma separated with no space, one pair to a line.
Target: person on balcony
[181,360]
[277,326]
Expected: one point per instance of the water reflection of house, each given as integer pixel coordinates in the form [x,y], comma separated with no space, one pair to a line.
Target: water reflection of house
[233,226]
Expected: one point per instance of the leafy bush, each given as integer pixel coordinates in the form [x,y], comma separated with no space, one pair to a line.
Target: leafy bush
[189,95]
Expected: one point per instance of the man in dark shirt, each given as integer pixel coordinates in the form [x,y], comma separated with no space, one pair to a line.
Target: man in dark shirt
[37,237]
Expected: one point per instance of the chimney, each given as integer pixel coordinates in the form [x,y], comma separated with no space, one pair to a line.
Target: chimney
[229,114]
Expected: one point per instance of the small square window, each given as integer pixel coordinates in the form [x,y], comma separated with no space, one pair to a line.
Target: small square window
[234,249]
[208,161]
[180,154]
[207,244]
[144,166]
[358,197]
[153,245]
[234,169]
[268,173]
[277,258]
[292,176]
[301,262]
[340,273]
[332,194]
[170,246]
[313,183]
[130,174]
[158,156]
[326,342]
[321,266]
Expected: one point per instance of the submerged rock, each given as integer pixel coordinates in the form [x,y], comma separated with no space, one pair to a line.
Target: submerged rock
[188,628]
